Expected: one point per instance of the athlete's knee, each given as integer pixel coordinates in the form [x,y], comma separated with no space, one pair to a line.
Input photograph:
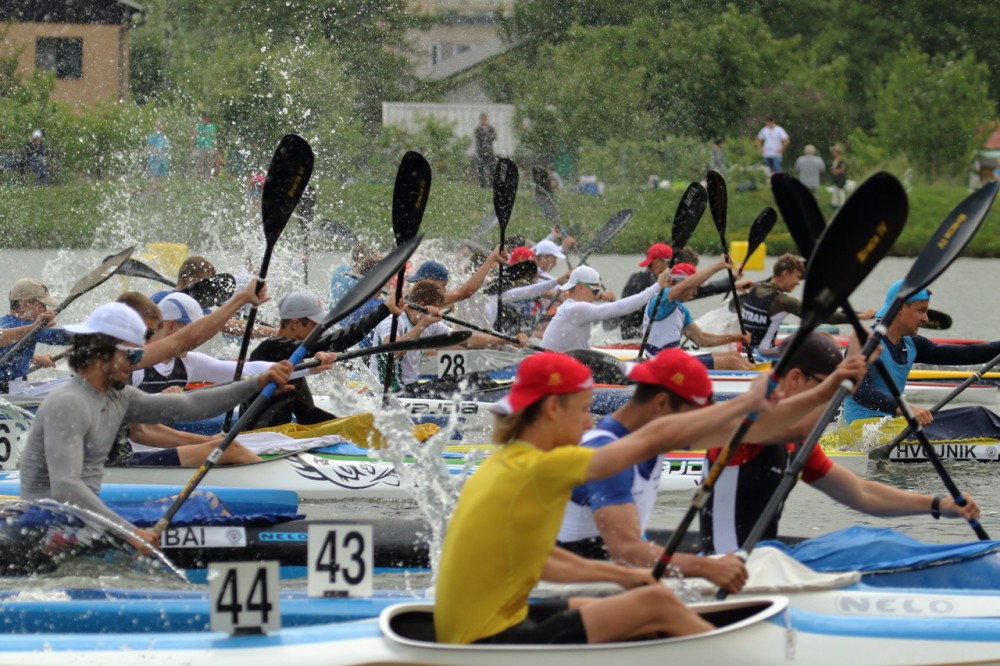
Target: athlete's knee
[659,597]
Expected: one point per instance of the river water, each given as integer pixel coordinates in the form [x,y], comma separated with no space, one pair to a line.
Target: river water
[962,292]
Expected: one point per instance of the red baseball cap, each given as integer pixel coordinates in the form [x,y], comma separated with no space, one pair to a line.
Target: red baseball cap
[678,372]
[657,251]
[683,271]
[541,375]
[519,254]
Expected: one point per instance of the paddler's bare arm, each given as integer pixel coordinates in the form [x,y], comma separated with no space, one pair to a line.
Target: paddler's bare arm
[201,331]
[475,282]
[784,422]
[700,428]
[566,567]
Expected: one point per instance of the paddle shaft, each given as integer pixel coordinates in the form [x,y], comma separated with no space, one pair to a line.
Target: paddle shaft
[792,471]
[90,281]
[248,330]
[610,229]
[914,425]
[704,491]
[245,418]
[882,452]
[409,198]
[479,329]
[347,304]
[287,176]
[739,311]
[689,211]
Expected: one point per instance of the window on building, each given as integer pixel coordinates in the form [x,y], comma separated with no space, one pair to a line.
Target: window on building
[61,55]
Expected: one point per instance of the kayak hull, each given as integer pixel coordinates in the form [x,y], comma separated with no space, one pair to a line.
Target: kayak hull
[753,631]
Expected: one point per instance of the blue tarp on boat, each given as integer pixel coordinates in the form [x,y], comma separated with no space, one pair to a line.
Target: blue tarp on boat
[892,559]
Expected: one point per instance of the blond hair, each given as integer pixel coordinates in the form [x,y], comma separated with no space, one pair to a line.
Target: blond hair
[142,304]
[507,428]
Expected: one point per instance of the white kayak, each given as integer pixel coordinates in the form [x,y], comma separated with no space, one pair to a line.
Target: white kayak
[762,631]
[332,477]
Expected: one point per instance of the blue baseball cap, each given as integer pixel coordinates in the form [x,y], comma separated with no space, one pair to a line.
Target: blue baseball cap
[429,270]
[890,296]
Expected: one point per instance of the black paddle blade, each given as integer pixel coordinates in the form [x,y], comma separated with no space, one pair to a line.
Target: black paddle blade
[339,233]
[521,271]
[99,275]
[946,244]
[504,192]
[135,268]
[718,203]
[856,240]
[409,196]
[287,177]
[610,229]
[759,230]
[367,286]
[689,211]
[937,321]
[798,206]
[212,291]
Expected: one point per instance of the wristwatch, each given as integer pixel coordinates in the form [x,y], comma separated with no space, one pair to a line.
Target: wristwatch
[936,507]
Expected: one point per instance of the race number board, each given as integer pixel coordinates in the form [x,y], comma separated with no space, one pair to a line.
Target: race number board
[245,597]
[452,364]
[341,560]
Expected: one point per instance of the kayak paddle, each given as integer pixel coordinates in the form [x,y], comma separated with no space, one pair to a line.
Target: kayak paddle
[504,193]
[212,291]
[718,204]
[93,279]
[689,211]
[287,177]
[759,229]
[943,248]
[354,298]
[867,226]
[477,328]
[135,268]
[409,198]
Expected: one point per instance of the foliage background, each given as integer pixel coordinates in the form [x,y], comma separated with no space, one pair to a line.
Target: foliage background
[621,90]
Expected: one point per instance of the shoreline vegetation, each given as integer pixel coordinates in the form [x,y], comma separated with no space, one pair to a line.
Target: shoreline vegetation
[72,215]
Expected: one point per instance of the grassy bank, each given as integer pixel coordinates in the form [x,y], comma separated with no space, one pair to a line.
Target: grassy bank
[72,215]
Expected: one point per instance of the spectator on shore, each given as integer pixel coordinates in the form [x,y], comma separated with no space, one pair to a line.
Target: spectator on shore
[809,167]
[718,162]
[36,157]
[772,140]
[158,154]
[838,172]
[484,136]
[204,152]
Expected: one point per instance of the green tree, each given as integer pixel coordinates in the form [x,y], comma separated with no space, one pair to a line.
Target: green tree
[931,109]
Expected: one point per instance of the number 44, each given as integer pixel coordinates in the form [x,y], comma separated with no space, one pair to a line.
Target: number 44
[244,597]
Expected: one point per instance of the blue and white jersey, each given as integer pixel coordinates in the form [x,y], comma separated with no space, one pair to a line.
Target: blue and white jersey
[636,484]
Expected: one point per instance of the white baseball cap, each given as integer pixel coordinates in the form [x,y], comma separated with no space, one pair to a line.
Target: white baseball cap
[37,134]
[180,307]
[582,275]
[549,247]
[116,320]
[299,304]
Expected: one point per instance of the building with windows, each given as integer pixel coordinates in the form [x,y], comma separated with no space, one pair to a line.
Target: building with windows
[84,43]
[461,35]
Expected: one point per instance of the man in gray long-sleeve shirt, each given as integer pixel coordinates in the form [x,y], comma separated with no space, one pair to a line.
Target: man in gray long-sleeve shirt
[76,424]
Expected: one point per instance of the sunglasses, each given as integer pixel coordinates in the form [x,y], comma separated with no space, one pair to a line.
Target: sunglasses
[150,332]
[133,354]
[596,289]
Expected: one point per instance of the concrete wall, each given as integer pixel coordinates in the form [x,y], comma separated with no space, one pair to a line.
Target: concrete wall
[105,59]
[464,117]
